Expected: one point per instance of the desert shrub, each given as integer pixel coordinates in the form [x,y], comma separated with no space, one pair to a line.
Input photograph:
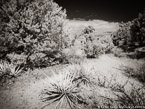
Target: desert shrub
[48,58]
[31,27]
[97,44]
[138,30]
[118,52]
[122,38]
[130,35]
[138,73]
[132,99]
[123,98]
[92,44]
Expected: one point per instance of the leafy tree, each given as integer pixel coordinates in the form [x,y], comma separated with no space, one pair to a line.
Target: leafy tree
[31,26]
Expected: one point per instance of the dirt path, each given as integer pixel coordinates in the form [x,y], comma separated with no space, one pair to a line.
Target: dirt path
[25,93]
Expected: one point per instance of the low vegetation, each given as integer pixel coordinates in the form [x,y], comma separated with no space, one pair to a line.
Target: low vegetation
[75,87]
[137,73]
[66,88]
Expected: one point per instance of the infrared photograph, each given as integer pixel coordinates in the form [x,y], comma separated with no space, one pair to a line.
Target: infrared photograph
[72,54]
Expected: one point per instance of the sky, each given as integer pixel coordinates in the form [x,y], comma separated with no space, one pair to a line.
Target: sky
[102,9]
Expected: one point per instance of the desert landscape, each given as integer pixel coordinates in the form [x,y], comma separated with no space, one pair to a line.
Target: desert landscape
[48,61]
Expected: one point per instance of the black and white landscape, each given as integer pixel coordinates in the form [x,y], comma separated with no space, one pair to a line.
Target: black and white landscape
[72,54]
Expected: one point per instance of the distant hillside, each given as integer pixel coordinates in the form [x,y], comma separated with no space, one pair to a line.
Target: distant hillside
[101,27]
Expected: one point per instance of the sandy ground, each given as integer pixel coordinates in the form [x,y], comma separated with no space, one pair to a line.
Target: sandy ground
[25,93]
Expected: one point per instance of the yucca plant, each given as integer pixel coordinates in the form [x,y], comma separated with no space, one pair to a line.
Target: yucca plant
[4,68]
[63,90]
[86,76]
[8,70]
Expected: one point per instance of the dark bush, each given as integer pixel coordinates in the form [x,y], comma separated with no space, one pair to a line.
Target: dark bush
[122,38]
[138,30]
[131,35]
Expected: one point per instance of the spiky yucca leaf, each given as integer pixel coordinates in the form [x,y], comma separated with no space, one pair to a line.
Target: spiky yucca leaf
[4,68]
[62,90]
[15,71]
[86,76]
[82,74]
